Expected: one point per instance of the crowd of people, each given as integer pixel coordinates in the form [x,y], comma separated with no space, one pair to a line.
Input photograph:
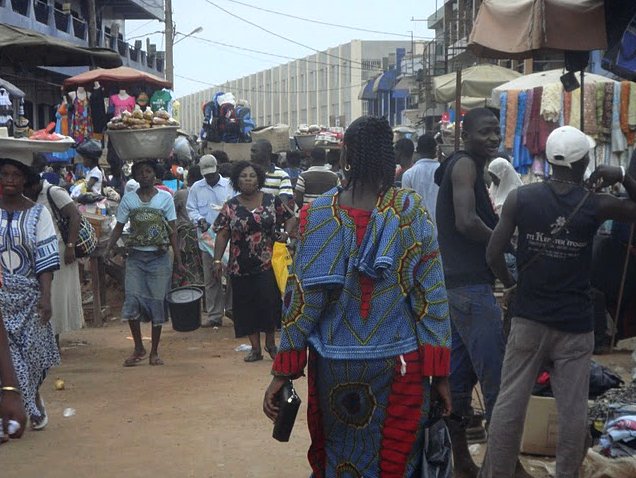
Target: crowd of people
[389,305]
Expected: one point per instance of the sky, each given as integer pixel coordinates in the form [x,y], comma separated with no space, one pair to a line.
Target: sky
[200,64]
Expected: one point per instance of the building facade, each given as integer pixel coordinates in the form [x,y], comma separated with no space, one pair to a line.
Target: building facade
[68,21]
[322,89]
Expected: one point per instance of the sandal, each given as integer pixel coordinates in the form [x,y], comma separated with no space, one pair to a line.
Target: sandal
[44,419]
[253,356]
[272,351]
[155,360]
[134,359]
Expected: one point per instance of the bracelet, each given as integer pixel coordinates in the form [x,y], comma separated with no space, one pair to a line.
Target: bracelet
[623,174]
[70,245]
[218,261]
[11,389]
[510,289]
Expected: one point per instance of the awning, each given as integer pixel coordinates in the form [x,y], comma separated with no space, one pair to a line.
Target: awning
[477,81]
[29,48]
[521,28]
[404,87]
[366,92]
[121,75]
[385,81]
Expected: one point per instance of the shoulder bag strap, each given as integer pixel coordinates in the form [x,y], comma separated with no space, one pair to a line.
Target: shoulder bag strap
[556,232]
[54,208]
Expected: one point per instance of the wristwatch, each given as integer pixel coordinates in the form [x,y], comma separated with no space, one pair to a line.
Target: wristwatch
[70,245]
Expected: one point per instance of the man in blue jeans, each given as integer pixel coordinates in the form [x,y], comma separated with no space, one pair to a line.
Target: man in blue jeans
[466,219]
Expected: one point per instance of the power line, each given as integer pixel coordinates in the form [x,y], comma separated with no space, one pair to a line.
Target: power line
[320,22]
[278,35]
[372,69]
[281,92]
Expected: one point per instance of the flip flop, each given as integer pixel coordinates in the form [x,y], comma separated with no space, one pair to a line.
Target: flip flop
[134,359]
[44,421]
[155,360]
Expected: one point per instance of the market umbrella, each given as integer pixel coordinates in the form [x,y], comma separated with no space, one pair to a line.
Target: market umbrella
[120,75]
[12,89]
[542,78]
[476,82]
[520,28]
[26,47]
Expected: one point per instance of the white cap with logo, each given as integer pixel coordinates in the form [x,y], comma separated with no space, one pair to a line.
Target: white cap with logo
[207,163]
[567,145]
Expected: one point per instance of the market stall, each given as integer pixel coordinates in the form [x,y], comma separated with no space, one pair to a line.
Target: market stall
[533,105]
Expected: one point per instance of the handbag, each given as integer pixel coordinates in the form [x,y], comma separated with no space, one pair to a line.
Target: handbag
[288,405]
[281,260]
[437,454]
[86,239]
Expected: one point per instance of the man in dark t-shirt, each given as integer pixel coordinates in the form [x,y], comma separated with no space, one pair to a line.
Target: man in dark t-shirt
[553,321]
[465,220]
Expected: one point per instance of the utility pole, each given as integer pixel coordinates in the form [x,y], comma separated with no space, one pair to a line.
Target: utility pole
[169,41]
[92,23]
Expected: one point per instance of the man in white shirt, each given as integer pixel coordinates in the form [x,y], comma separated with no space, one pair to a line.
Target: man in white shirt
[420,176]
[205,200]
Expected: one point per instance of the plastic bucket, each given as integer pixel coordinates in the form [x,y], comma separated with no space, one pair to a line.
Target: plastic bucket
[185,308]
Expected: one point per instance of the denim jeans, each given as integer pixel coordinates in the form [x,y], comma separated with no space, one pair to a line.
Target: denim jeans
[478,346]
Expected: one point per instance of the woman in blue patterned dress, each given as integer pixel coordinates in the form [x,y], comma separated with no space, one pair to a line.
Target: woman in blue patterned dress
[366,298]
[28,256]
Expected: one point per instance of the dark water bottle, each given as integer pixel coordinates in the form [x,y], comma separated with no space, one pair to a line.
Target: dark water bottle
[288,405]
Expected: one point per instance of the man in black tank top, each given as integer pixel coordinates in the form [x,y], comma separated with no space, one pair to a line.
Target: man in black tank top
[552,327]
[465,220]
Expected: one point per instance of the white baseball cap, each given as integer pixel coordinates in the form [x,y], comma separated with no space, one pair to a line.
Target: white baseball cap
[567,145]
[207,163]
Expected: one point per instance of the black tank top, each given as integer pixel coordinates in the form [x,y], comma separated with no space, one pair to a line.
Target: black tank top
[555,288]
[464,259]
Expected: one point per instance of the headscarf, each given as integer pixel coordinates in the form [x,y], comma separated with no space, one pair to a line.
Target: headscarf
[509,180]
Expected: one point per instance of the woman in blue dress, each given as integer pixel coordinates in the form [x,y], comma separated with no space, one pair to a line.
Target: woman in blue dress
[28,257]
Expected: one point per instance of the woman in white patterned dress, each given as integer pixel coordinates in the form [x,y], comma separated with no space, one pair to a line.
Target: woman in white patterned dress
[28,257]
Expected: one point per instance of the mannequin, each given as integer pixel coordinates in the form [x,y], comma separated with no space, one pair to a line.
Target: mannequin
[121,102]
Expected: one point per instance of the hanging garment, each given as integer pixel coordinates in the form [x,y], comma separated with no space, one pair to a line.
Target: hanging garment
[575,109]
[619,142]
[624,112]
[503,114]
[605,126]
[526,116]
[62,127]
[6,108]
[511,118]
[82,125]
[521,155]
[119,105]
[567,105]
[533,142]
[551,102]
[589,109]
[98,110]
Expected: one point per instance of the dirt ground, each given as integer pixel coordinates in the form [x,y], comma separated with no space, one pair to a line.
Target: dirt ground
[198,416]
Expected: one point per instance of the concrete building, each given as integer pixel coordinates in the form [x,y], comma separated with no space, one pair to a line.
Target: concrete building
[68,21]
[323,88]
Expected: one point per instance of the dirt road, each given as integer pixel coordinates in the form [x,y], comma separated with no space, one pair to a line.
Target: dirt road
[198,416]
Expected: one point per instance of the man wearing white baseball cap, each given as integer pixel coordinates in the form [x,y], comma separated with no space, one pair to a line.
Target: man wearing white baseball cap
[205,200]
[552,325]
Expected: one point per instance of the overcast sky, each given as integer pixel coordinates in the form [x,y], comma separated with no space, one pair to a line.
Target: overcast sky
[199,64]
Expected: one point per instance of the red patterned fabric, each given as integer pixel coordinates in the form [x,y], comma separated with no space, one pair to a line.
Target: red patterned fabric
[435,361]
[290,363]
[403,417]
[316,455]
[302,218]
[361,219]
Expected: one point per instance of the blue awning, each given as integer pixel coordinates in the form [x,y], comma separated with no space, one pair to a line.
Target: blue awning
[405,87]
[385,81]
[367,93]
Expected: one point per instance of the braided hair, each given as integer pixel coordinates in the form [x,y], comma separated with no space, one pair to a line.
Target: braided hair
[369,143]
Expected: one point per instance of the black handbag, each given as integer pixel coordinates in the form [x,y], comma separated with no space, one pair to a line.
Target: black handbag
[86,239]
[288,405]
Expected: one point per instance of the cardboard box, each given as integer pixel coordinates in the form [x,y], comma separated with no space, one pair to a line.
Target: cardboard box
[236,151]
[541,427]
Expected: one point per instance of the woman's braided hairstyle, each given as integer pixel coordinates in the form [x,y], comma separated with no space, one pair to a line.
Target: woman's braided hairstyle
[369,143]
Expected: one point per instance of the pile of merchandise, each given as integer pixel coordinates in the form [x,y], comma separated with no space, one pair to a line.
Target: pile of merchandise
[139,119]
[227,121]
